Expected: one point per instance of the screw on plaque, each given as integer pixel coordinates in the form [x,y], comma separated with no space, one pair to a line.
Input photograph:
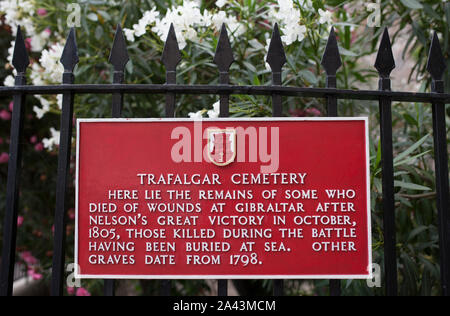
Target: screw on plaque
[276,56]
[331,60]
[20,59]
[224,53]
[69,57]
[119,53]
[436,63]
[385,62]
[171,55]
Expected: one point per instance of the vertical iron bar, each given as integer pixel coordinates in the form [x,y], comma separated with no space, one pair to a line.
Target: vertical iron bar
[331,62]
[171,57]
[276,58]
[61,189]
[119,59]
[332,111]
[277,111]
[170,97]
[385,64]
[224,58]
[442,186]
[436,67]
[12,191]
[222,286]
[69,59]
[20,62]
[117,98]
[171,76]
[390,253]
[117,106]
[277,101]
[109,287]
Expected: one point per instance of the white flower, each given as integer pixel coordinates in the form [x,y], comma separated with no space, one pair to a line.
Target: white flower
[49,143]
[294,33]
[11,52]
[289,18]
[286,5]
[196,115]
[139,29]
[215,112]
[129,34]
[307,4]
[59,101]
[150,17]
[19,13]
[9,81]
[39,112]
[221,3]
[325,17]
[39,41]
[236,28]
[52,68]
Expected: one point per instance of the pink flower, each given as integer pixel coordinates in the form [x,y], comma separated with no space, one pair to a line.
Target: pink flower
[297,113]
[33,139]
[28,43]
[19,221]
[28,258]
[4,157]
[39,147]
[313,112]
[48,31]
[41,12]
[11,106]
[83,292]
[34,275]
[5,115]
[70,290]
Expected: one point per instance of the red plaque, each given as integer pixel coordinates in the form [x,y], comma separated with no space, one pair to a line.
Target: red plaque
[223,199]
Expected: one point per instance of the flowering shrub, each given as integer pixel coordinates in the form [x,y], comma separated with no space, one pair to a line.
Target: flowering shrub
[304,26]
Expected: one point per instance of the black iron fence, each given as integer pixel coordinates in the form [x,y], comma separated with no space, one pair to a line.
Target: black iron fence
[223,59]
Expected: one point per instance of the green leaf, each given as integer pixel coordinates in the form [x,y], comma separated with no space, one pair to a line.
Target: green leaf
[104,14]
[410,160]
[430,11]
[93,17]
[417,231]
[378,158]
[410,186]
[412,4]
[410,119]
[411,149]
[347,52]
[308,76]
[99,32]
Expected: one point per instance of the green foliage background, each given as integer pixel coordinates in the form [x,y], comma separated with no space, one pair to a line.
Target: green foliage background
[416,217]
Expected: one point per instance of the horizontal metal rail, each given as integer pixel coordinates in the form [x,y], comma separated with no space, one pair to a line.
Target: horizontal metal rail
[369,95]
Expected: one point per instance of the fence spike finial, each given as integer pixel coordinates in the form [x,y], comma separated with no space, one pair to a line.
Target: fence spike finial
[20,59]
[69,57]
[385,62]
[331,60]
[436,63]
[224,53]
[171,55]
[276,56]
[119,54]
